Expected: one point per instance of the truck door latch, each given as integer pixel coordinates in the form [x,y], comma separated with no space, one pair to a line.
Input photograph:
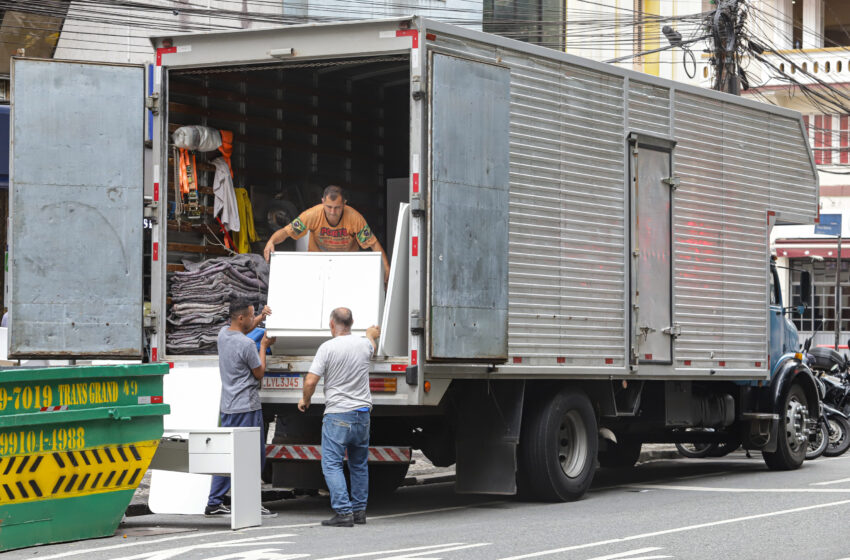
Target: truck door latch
[674,330]
[645,330]
[672,182]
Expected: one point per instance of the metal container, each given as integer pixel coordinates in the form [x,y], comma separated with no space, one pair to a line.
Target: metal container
[74,444]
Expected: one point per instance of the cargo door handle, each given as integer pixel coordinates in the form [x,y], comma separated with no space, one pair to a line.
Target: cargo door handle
[674,330]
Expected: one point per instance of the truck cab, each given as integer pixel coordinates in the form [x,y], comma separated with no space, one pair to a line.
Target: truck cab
[784,337]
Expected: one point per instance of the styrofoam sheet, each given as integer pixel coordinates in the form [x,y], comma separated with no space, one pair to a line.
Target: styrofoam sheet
[394,324]
[305,287]
[193,393]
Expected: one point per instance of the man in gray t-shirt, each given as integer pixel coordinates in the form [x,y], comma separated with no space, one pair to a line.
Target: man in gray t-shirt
[241,370]
[344,363]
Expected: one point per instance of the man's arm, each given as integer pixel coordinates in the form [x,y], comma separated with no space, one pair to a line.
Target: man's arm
[377,247]
[279,236]
[372,334]
[261,317]
[310,382]
[260,370]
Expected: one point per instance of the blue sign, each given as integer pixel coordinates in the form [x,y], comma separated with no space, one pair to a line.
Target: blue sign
[830,224]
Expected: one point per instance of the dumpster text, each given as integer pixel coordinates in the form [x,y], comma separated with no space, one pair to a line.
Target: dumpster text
[37,397]
[23,442]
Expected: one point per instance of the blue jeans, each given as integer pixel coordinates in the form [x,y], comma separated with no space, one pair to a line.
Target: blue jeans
[221,484]
[341,432]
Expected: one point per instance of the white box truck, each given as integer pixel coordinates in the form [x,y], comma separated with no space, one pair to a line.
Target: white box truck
[586,263]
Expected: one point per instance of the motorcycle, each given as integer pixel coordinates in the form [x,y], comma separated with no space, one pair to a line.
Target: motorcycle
[832,437]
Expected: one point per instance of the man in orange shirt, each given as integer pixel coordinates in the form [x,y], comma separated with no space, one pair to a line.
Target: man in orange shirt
[333,226]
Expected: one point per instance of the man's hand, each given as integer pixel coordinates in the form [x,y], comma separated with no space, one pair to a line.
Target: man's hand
[303,404]
[267,342]
[267,252]
[261,317]
[373,332]
[386,277]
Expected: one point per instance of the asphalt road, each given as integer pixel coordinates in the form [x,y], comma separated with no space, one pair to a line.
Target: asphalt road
[684,508]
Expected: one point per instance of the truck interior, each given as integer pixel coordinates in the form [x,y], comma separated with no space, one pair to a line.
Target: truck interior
[297,127]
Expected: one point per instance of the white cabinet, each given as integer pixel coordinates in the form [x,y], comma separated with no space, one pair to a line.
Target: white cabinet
[305,287]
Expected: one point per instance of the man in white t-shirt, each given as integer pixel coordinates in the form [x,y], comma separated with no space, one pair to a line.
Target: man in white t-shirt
[344,363]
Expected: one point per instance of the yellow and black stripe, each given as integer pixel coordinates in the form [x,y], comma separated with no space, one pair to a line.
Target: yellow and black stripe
[65,474]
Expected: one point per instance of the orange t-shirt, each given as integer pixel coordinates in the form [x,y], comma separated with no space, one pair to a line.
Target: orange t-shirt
[351,231]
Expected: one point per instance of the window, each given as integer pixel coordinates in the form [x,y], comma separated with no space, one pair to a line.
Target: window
[540,22]
[823,139]
[820,314]
[836,23]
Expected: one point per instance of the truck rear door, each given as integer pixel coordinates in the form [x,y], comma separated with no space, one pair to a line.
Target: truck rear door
[469,179]
[76,203]
[653,331]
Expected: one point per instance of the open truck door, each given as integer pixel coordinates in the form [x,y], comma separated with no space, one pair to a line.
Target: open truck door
[469,159]
[76,204]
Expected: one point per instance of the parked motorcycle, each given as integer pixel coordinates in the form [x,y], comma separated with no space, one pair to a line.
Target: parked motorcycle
[832,437]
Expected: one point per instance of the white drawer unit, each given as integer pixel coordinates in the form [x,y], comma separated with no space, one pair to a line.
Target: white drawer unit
[233,452]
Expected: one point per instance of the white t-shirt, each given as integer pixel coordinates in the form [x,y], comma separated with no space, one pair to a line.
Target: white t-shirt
[343,362]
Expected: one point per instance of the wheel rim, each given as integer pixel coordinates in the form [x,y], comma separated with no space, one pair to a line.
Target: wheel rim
[796,416]
[572,444]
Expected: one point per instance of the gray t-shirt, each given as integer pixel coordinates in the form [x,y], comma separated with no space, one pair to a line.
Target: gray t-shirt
[237,356]
[344,363]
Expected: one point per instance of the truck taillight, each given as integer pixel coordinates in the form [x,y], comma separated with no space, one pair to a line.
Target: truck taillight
[383,384]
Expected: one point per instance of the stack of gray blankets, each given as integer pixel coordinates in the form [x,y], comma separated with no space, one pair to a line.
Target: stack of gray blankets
[201,299]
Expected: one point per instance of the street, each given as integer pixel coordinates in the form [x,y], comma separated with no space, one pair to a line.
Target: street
[683,508]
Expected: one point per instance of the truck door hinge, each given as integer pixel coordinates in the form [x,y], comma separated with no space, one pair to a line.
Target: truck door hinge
[152,103]
[417,324]
[150,320]
[672,182]
[674,330]
[417,208]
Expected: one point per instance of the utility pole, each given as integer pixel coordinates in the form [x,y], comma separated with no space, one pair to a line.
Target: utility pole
[725,26]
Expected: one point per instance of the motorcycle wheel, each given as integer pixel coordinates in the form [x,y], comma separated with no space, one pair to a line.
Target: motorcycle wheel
[839,440]
[695,450]
[817,447]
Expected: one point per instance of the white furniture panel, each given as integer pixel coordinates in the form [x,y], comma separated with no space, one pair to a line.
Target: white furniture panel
[394,324]
[305,287]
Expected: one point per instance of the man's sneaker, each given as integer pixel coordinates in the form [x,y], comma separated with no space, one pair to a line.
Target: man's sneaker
[266,513]
[220,510]
[360,517]
[339,521]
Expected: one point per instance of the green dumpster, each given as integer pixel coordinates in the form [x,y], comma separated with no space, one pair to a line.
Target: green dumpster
[74,444]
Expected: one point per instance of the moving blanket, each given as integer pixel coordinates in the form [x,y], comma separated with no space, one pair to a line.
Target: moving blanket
[201,296]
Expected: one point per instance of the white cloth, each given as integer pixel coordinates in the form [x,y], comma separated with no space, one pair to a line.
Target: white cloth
[225,196]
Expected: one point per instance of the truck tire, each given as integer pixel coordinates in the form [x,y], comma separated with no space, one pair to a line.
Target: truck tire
[792,439]
[558,445]
[621,455]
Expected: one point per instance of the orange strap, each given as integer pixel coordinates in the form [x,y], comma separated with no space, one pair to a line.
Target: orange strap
[228,241]
[187,163]
[226,148]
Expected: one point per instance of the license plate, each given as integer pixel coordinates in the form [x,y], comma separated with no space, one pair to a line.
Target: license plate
[283,382]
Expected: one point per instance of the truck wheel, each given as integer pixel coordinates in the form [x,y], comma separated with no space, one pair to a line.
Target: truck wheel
[558,446]
[621,455]
[792,435]
[839,439]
